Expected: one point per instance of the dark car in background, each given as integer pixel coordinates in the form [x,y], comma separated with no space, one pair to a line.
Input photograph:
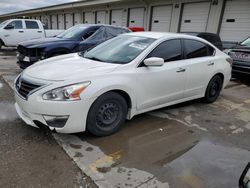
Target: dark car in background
[77,38]
[241,58]
[210,37]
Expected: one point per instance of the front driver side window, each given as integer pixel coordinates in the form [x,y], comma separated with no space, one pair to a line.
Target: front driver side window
[16,24]
[169,50]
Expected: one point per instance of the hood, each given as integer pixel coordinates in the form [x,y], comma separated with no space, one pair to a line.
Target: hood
[71,66]
[44,42]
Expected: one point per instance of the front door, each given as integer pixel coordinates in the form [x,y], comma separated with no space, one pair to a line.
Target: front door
[13,36]
[161,85]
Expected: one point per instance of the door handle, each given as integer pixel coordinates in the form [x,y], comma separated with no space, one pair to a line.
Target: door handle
[181,70]
[210,64]
[21,31]
[39,31]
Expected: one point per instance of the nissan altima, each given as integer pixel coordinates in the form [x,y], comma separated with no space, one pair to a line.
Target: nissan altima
[118,79]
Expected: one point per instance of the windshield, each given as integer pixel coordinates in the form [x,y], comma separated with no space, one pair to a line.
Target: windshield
[120,50]
[246,42]
[3,23]
[75,32]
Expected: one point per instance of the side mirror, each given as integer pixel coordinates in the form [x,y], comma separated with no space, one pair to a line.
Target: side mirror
[9,27]
[244,181]
[154,62]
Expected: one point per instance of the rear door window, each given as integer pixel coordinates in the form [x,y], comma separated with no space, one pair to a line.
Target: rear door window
[31,25]
[169,50]
[195,49]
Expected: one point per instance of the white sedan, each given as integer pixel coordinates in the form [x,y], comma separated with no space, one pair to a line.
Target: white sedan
[125,76]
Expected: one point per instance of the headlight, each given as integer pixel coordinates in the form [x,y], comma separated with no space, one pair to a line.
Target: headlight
[67,93]
[42,55]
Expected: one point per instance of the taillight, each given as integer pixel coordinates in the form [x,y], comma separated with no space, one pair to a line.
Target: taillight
[230,61]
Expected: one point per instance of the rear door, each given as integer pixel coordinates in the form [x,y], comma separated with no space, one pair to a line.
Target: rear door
[13,36]
[33,31]
[200,62]
[161,85]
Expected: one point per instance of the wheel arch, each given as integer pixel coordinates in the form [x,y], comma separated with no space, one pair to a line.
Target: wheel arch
[129,98]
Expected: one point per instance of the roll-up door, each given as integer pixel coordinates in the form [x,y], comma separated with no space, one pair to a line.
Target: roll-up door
[60,21]
[68,20]
[77,18]
[161,18]
[136,17]
[101,17]
[88,18]
[116,17]
[235,25]
[195,17]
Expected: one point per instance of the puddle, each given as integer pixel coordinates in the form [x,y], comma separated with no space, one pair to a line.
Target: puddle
[7,112]
[208,165]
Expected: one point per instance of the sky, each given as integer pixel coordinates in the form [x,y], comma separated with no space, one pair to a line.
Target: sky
[7,6]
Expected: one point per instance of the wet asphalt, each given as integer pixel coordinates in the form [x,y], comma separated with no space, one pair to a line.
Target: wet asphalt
[191,145]
[29,157]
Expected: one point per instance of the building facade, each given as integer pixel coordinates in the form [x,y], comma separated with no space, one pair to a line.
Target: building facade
[228,18]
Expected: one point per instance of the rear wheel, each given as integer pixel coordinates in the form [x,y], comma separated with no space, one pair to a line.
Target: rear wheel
[107,114]
[213,89]
[1,44]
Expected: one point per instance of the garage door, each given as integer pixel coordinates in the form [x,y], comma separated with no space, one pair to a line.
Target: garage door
[116,17]
[161,18]
[101,17]
[77,18]
[136,17]
[195,17]
[68,20]
[235,25]
[60,21]
[88,18]
[54,22]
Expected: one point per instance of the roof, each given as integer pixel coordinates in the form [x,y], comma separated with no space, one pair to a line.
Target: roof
[158,35]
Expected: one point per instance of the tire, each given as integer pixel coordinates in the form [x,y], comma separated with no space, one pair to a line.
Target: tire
[213,89]
[107,114]
[1,44]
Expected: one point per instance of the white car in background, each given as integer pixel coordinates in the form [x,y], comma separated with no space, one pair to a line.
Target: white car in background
[14,31]
[120,78]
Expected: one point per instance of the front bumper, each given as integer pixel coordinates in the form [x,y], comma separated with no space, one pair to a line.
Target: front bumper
[241,68]
[33,110]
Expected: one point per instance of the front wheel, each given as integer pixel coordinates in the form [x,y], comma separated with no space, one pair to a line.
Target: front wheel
[213,89]
[107,114]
